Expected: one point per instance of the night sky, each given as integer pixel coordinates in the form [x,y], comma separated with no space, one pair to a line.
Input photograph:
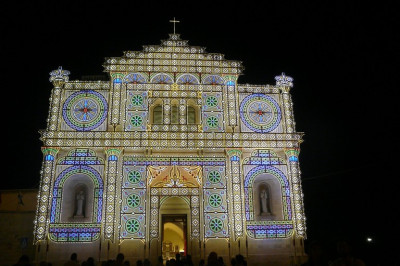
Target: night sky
[343,57]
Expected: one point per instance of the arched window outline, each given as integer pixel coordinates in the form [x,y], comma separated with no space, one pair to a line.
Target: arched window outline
[162,78]
[192,104]
[156,112]
[135,78]
[187,79]
[213,80]
[191,115]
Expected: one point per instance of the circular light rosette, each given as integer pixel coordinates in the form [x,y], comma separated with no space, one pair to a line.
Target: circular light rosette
[85,110]
[260,113]
[132,226]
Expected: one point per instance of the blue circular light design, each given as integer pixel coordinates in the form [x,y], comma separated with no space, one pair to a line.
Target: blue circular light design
[260,113]
[85,110]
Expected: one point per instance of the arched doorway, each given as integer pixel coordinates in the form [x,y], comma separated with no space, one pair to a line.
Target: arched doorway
[174,226]
[175,197]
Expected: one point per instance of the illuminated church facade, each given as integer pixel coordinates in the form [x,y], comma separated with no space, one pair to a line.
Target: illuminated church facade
[170,155]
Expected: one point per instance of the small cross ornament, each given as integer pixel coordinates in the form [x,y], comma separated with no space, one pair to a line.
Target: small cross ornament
[174,21]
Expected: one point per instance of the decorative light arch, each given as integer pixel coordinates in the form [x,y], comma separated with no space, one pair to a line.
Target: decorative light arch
[187,79]
[213,80]
[117,78]
[58,188]
[135,78]
[248,187]
[162,78]
[268,229]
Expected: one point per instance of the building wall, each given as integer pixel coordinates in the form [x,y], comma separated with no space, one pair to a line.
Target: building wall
[17,213]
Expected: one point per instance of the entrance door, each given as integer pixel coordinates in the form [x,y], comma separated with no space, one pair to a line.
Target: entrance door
[174,235]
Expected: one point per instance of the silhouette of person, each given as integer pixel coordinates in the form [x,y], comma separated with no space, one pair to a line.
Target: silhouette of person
[23,260]
[240,260]
[73,260]
[120,259]
[315,255]
[90,261]
[160,261]
[212,259]
[345,256]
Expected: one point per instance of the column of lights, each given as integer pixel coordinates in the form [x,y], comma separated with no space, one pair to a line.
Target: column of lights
[232,104]
[298,207]
[195,213]
[234,170]
[286,83]
[182,111]
[117,84]
[58,77]
[166,111]
[44,195]
[154,210]
[111,195]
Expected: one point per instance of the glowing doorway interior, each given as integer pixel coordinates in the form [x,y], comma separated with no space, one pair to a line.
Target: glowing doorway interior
[174,233]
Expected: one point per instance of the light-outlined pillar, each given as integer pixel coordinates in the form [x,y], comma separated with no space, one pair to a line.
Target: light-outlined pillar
[292,157]
[111,176]
[236,199]
[44,194]
[118,88]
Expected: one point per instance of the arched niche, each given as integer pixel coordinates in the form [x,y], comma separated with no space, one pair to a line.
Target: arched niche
[77,199]
[66,186]
[266,187]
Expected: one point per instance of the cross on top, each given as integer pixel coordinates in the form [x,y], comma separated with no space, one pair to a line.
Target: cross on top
[174,21]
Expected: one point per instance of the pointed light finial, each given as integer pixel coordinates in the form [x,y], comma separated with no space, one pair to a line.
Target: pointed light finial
[284,80]
[59,74]
[174,21]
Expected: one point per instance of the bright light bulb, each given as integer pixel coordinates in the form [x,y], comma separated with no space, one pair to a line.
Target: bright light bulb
[369,239]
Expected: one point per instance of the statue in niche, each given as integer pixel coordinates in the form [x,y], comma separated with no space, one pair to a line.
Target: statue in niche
[264,200]
[80,204]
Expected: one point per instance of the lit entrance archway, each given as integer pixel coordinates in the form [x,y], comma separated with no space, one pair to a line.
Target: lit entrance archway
[175,195]
[174,213]
[174,235]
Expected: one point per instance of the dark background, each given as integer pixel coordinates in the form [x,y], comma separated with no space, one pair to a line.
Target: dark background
[343,57]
